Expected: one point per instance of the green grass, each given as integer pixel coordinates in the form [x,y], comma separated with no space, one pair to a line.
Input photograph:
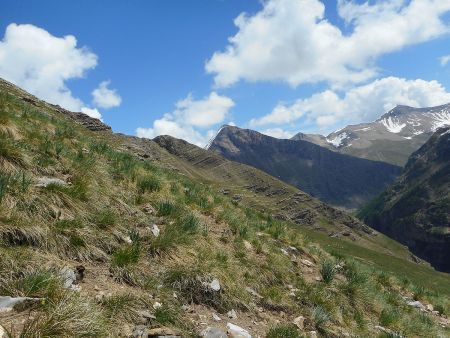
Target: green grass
[283,331]
[327,271]
[148,183]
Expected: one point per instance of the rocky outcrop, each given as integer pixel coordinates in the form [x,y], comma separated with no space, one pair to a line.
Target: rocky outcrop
[414,210]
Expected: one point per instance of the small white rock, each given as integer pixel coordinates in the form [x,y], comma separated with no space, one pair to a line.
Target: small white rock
[232,314]
[155,230]
[216,317]
[157,305]
[299,322]
[214,285]
[235,331]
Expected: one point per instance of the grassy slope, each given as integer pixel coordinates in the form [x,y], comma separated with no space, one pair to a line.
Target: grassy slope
[102,219]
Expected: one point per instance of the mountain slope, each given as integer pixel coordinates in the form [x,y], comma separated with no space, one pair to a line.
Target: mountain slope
[392,138]
[333,178]
[415,210]
[109,235]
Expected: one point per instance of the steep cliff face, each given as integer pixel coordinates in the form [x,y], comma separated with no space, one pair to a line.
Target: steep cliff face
[334,178]
[414,210]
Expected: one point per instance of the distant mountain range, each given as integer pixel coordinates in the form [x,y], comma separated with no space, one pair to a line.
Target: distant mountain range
[335,178]
[415,210]
[392,138]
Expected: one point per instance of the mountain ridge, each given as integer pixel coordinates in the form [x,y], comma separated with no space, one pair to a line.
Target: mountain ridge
[339,179]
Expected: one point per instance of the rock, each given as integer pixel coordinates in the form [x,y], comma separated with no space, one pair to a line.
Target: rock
[155,230]
[248,245]
[213,332]
[8,303]
[235,331]
[216,317]
[156,305]
[148,209]
[147,316]
[312,334]
[429,307]
[68,277]
[163,332]
[140,331]
[307,263]
[299,322]
[215,285]
[79,273]
[416,304]
[284,251]
[43,182]
[232,314]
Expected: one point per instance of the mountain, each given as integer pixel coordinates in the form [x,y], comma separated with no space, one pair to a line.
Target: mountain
[334,178]
[392,138]
[104,234]
[415,209]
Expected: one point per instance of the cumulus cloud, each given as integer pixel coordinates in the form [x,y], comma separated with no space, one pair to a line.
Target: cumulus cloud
[364,103]
[105,97]
[190,118]
[277,133]
[41,63]
[293,42]
[92,112]
[444,60]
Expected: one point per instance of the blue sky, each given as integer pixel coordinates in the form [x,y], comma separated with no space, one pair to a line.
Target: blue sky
[169,66]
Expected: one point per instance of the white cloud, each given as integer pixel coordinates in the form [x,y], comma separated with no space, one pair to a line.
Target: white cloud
[292,41]
[105,97]
[41,63]
[444,60]
[277,133]
[190,118]
[363,103]
[92,112]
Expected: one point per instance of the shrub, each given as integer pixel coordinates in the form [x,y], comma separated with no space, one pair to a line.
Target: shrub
[189,223]
[148,183]
[328,271]
[30,283]
[68,316]
[283,331]
[126,256]
[166,315]
[389,316]
[104,218]
[166,208]
[121,307]
[320,316]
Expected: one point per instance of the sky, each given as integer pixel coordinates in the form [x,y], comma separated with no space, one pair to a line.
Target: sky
[185,68]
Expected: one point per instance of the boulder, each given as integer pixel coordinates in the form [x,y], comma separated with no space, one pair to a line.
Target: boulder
[213,332]
[214,285]
[235,331]
[68,277]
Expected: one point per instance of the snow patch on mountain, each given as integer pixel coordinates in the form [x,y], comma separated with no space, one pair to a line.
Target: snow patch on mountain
[441,119]
[337,141]
[393,125]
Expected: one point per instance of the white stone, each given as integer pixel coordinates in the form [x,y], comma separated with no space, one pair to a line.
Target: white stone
[213,332]
[214,285]
[216,317]
[155,230]
[248,245]
[157,305]
[68,277]
[416,304]
[7,303]
[235,331]
[232,314]
[307,263]
[429,307]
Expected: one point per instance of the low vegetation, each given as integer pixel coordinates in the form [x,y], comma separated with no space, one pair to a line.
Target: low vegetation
[150,239]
